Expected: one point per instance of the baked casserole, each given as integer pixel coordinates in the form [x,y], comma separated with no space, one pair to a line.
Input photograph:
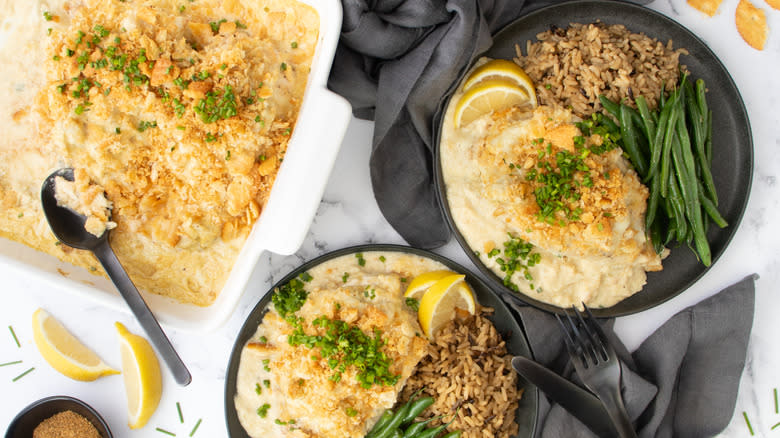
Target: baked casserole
[180,111]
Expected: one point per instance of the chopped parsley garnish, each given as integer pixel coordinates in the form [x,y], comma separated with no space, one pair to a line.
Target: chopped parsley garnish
[143,125]
[215,25]
[289,298]
[217,105]
[343,346]
[518,257]
[262,411]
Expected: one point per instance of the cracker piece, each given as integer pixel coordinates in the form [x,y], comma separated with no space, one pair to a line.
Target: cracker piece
[709,7]
[751,24]
[774,3]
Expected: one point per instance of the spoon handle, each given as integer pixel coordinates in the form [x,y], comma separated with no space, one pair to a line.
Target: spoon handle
[138,306]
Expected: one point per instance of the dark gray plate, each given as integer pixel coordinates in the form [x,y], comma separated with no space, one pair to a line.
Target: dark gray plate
[501,318]
[732,145]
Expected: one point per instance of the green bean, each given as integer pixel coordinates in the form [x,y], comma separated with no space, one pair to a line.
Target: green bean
[647,119]
[655,236]
[667,145]
[397,434]
[430,433]
[690,194]
[627,131]
[678,208]
[383,420]
[711,209]
[416,408]
[699,125]
[611,126]
[701,98]
[652,202]
[416,428]
[708,142]
[611,107]
[394,422]
[455,434]
[657,142]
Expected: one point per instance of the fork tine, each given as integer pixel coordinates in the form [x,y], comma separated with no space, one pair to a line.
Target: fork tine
[604,345]
[585,345]
[597,345]
[571,345]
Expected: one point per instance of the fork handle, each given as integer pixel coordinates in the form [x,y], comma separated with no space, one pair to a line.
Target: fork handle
[617,412]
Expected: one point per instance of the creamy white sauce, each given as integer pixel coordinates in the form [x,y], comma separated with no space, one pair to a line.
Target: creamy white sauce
[599,270]
[327,277]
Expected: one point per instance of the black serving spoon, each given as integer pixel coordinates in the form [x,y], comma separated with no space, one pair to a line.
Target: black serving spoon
[68,227]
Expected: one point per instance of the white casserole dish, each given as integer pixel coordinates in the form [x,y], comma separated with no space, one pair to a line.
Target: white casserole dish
[281,227]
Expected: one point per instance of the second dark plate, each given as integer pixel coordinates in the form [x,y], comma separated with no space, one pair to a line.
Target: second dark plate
[732,166]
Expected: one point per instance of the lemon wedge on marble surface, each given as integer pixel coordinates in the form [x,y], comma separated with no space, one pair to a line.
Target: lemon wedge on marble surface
[143,380]
[438,304]
[487,96]
[64,352]
[502,69]
[422,282]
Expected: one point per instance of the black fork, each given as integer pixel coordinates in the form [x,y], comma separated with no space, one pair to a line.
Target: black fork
[598,366]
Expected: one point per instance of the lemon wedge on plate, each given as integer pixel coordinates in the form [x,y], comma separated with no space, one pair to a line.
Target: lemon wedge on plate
[64,352]
[502,69]
[438,304]
[487,96]
[143,381]
[422,282]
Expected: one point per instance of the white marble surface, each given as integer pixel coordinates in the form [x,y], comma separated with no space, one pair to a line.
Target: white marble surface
[348,215]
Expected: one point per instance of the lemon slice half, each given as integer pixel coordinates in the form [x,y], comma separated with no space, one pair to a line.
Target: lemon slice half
[502,69]
[143,380]
[422,282]
[438,304]
[64,352]
[488,96]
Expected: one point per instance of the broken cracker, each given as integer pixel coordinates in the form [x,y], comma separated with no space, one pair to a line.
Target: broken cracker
[751,24]
[774,3]
[709,7]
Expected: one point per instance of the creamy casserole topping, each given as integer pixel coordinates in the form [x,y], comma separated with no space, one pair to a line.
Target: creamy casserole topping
[291,383]
[552,210]
[180,111]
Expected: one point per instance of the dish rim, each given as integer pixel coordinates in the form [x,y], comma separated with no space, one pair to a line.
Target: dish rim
[618,9]
[256,314]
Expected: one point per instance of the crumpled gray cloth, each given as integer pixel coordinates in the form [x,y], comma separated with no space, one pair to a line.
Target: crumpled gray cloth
[396,63]
[681,382]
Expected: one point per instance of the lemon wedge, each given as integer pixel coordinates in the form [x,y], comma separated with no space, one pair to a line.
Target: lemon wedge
[487,96]
[143,381]
[502,69]
[422,282]
[438,304]
[64,352]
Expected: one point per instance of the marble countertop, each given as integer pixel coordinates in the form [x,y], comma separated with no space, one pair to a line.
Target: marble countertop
[348,215]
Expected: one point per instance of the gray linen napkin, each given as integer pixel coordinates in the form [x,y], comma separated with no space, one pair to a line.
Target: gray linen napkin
[681,382]
[396,63]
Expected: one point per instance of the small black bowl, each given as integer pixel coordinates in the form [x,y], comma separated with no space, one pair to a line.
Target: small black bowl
[29,418]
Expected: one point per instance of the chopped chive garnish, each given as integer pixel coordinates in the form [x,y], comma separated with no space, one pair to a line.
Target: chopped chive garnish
[164,431]
[294,44]
[747,421]
[196,427]
[382,259]
[14,335]
[10,363]
[773,427]
[267,383]
[258,389]
[23,374]
[775,391]
[181,417]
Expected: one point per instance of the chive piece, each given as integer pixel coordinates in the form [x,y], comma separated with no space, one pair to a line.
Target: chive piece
[294,44]
[258,389]
[267,383]
[773,427]
[23,374]
[164,431]
[382,259]
[48,16]
[10,363]
[747,421]
[196,427]
[181,417]
[775,391]
[14,335]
